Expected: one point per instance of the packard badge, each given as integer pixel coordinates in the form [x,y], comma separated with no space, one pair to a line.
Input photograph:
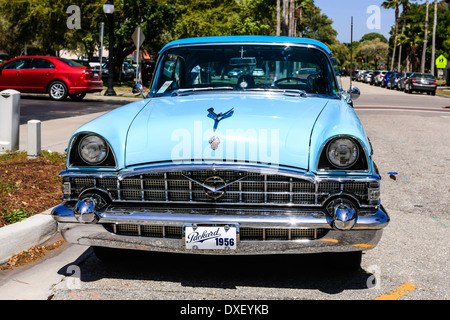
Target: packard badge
[214,142]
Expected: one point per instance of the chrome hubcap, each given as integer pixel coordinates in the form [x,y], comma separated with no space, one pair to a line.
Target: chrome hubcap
[57,91]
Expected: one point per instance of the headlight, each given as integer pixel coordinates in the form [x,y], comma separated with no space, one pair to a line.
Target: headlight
[342,152]
[93,149]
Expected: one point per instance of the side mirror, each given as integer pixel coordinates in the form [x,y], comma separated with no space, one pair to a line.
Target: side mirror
[138,89]
[354,93]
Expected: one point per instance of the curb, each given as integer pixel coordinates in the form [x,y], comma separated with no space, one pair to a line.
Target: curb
[25,234]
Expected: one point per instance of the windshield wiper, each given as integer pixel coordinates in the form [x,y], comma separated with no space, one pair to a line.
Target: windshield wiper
[182,92]
[288,92]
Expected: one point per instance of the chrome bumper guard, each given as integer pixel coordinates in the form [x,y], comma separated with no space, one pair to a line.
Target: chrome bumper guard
[365,234]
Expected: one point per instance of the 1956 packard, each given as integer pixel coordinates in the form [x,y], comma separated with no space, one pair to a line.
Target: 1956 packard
[269,160]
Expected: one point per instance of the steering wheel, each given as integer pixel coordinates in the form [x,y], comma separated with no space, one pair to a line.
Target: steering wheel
[314,83]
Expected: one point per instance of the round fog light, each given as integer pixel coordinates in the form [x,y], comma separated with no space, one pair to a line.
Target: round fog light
[344,215]
[85,210]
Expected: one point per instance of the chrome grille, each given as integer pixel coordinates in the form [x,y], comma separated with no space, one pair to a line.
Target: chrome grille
[245,188]
[245,233]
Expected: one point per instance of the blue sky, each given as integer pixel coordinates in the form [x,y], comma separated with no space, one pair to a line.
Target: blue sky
[341,11]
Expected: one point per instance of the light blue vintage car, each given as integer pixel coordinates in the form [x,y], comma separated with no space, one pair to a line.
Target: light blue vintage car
[208,164]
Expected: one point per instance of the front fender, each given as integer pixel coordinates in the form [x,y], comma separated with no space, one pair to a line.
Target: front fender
[337,118]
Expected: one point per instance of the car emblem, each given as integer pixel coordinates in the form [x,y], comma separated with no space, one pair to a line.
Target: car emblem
[214,186]
[214,142]
[217,183]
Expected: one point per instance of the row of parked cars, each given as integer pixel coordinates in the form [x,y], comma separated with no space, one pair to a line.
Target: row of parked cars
[406,81]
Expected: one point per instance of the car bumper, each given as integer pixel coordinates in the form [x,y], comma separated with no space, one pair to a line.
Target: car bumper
[423,87]
[125,228]
[89,87]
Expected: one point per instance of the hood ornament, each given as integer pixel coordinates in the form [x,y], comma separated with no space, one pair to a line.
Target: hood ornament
[215,141]
[219,117]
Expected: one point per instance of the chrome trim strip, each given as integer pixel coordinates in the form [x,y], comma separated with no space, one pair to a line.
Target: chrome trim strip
[320,197]
[300,174]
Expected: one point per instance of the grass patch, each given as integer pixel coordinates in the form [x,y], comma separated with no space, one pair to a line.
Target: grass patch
[15,215]
[444,92]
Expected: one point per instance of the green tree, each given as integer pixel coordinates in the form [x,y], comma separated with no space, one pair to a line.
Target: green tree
[374,51]
[372,36]
[38,25]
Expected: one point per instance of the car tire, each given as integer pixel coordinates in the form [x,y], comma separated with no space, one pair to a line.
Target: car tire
[58,90]
[77,97]
[433,93]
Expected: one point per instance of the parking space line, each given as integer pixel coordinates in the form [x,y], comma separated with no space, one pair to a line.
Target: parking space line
[404,289]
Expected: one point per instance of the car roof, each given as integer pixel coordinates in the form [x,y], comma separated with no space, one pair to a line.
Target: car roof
[47,57]
[246,39]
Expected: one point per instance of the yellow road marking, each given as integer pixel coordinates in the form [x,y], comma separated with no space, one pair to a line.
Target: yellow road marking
[398,292]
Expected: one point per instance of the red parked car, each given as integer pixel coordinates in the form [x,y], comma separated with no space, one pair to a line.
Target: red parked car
[58,77]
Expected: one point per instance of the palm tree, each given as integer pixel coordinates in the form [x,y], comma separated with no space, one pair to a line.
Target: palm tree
[390,4]
[433,45]
[425,42]
[404,13]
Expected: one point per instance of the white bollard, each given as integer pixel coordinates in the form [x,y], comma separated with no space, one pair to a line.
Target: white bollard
[34,139]
[9,120]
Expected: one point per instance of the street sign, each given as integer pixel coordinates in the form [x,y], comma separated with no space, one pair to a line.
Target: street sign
[441,62]
[138,37]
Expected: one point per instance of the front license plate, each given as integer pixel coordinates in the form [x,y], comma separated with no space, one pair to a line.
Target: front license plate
[210,237]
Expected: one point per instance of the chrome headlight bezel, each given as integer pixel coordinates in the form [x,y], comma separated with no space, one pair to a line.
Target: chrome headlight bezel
[76,159]
[358,164]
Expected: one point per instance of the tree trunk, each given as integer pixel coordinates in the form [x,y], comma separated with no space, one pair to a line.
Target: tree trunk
[396,34]
[425,42]
[433,45]
[405,10]
[291,19]
[285,23]
[278,18]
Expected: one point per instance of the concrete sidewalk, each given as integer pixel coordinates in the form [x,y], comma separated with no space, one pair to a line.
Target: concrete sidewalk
[55,134]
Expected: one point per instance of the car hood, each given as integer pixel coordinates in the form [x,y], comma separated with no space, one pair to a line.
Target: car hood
[260,128]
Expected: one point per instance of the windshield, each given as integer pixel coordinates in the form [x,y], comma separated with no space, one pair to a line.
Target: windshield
[424,76]
[244,67]
[71,62]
